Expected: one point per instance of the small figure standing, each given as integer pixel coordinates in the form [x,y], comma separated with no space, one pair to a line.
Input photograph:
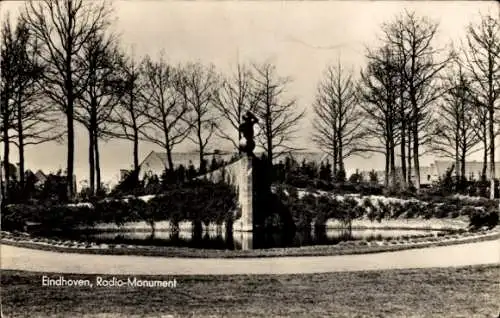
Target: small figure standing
[247,144]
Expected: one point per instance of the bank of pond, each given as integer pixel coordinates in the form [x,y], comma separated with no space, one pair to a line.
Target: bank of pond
[220,239]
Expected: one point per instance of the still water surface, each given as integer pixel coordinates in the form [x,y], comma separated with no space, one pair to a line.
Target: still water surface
[235,241]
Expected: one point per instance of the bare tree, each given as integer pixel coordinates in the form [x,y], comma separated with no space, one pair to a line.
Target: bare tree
[63,27]
[234,97]
[101,60]
[404,111]
[129,117]
[32,117]
[9,66]
[197,85]
[338,117]
[279,116]
[413,37]
[379,92]
[481,128]
[455,135]
[166,111]
[483,61]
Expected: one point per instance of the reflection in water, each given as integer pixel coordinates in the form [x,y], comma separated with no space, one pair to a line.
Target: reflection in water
[225,240]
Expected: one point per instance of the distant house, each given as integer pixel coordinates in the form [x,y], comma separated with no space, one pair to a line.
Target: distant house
[426,175]
[436,170]
[124,173]
[155,162]
[473,169]
[299,156]
[40,178]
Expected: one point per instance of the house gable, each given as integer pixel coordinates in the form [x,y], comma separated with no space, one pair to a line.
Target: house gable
[152,164]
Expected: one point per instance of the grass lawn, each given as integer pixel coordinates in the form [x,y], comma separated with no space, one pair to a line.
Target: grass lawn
[448,292]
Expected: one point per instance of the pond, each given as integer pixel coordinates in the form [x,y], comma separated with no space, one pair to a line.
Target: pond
[236,241]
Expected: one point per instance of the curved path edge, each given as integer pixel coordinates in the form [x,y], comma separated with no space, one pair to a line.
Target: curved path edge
[17,258]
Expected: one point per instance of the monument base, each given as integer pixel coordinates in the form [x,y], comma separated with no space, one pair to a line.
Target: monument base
[241,226]
[245,196]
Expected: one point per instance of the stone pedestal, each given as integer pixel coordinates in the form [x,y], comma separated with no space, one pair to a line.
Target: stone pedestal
[246,239]
[245,195]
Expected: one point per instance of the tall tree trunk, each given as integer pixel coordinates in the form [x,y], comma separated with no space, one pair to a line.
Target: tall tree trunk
[403,131]
[458,168]
[341,156]
[136,149]
[269,131]
[20,133]
[201,149]
[410,157]
[492,150]
[135,140]
[335,160]
[2,191]
[71,153]
[387,167]
[485,158]
[416,159]
[22,180]
[239,132]
[6,163]
[270,149]
[403,154]
[392,162]
[169,156]
[97,163]
[91,162]
[167,146]
[462,167]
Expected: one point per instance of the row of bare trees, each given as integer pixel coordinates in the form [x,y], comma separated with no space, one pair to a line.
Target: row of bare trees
[166,104]
[62,59]
[26,118]
[414,97]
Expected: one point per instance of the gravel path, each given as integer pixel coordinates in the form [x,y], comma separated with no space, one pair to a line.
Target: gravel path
[16,258]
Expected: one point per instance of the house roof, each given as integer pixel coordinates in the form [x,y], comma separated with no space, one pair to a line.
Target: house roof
[156,162]
[40,176]
[300,156]
[471,167]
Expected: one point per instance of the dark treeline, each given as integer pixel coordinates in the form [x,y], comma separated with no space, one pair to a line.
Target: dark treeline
[62,65]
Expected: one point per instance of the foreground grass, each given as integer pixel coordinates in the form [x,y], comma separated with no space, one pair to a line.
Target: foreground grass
[449,292]
[345,248]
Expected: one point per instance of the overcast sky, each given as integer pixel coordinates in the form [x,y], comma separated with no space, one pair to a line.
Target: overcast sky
[300,38]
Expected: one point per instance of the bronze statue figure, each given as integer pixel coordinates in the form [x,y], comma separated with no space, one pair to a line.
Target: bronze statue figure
[247,144]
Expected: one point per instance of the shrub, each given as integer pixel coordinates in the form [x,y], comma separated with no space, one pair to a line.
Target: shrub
[14,216]
[454,214]
[481,218]
[200,200]
[369,208]
[356,177]
[340,176]
[397,209]
[373,176]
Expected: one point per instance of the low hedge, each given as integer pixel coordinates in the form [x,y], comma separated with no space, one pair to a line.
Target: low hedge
[320,208]
[199,201]
[363,188]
